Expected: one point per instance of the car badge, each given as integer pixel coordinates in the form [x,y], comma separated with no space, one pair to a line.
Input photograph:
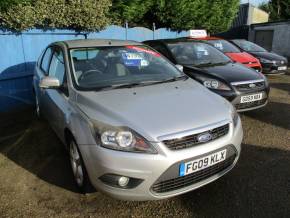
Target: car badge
[204,137]
[282,62]
[252,85]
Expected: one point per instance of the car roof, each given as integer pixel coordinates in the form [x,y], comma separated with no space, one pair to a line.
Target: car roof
[182,39]
[206,38]
[82,43]
[238,40]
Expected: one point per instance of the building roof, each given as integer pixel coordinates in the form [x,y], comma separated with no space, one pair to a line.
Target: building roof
[82,43]
[271,23]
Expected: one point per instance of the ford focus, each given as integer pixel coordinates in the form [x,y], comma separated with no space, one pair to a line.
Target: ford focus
[136,127]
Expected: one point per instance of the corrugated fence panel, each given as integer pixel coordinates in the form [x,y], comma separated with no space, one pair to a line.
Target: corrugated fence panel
[164,33]
[111,32]
[11,56]
[19,53]
[34,42]
[139,34]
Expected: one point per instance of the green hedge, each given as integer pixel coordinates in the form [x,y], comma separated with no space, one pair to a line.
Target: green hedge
[87,15]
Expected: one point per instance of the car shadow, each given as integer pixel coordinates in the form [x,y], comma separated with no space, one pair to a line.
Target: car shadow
[16,86]
[281,86]
[271,114]
[32,144]
[259,186]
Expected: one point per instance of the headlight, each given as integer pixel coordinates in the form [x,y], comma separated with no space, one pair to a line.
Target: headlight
[213,83]
[235,116]
[123,139]
[266,61]
[265,79]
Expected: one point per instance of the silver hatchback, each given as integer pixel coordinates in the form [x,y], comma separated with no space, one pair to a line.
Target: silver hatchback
[135,126]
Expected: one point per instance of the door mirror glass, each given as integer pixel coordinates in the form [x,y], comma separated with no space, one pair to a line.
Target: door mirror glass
[179,67]
[49,82]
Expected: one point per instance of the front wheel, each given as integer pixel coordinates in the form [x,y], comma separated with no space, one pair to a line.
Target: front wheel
[37,107]
[79,171]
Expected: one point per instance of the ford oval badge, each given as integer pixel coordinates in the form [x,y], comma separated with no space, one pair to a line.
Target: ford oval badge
[204,137]
[252,85]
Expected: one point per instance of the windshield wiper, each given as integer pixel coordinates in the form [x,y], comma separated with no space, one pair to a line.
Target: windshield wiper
[204,64]
[138,84]
[128,85]
[213,64]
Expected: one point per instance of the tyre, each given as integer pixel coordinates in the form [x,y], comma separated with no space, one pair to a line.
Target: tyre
[79,170]
[37,107]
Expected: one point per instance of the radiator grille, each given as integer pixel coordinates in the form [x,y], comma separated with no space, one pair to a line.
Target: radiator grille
[181,182]
[192,140]
[250,86]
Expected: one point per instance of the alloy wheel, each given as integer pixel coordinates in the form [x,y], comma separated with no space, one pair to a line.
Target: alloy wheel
[76,164]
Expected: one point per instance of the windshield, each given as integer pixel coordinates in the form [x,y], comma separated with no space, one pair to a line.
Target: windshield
[224,46]
[197,53]
[249,46]
[115,66]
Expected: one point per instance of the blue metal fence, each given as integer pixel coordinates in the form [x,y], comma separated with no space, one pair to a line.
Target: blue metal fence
[19,53]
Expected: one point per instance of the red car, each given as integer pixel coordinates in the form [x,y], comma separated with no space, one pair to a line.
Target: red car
[233,52]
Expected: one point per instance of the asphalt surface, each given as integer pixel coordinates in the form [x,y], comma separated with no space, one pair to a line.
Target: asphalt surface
[36,180]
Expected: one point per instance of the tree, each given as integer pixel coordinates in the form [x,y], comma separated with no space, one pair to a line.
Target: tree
[214,15]
[132,11]
[88,15]
[6,4]
[277,9]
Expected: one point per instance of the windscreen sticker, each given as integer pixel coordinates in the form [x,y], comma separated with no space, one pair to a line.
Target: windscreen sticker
[143,50]
[218,45]
[132,59]
[144,63]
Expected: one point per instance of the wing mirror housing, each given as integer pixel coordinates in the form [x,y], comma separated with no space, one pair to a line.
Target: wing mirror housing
[49,82]
[179,67]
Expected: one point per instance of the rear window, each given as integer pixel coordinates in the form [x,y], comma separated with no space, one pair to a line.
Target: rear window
[224,46]
[196,53]
[249,46]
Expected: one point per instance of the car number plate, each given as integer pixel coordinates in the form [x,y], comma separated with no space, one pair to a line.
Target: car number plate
[282,68]
[251,98]
[202,163]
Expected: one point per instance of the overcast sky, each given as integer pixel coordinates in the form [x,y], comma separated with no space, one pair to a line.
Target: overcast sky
[254,2]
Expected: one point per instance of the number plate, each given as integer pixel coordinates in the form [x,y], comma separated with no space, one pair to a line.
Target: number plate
[251,98]
[282,68]
[202,163]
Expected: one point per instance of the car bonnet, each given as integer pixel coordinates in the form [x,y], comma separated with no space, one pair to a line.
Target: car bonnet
[157,110]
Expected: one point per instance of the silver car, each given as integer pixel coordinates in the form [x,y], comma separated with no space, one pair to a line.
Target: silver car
[135,126]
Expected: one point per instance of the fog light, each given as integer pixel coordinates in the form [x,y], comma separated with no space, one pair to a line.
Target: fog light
[123,181]
[120,181]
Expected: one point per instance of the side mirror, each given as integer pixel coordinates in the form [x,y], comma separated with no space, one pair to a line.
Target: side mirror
[49,83]
[179,67]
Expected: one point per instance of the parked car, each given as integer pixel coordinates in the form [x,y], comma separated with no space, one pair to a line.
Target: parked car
[234,53]
[135,126]
[271,63]
[244,87]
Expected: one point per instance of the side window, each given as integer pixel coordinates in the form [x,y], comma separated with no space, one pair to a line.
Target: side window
[45,60]
[57,68]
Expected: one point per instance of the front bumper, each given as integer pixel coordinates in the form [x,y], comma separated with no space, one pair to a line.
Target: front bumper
[234,96]
[150,168]
[274,68]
